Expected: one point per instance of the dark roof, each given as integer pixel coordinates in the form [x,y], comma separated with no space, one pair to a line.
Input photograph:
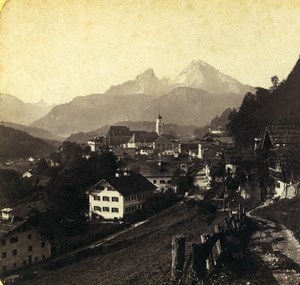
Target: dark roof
[143,137]
[187,146]
[163,138]
[122,152]
[285,141]
[239,155]
[23,210]
[6,226]
[19,213]
[119,131]
[152,169]
[224,140]
[212,154]
[133,183]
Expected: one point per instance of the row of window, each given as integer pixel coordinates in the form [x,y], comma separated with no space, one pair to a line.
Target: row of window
[13,240]
[130,209]
[29,261]
[162,181]
[15,251]
[106,209]
[138,196]
[106,198]
[101,187]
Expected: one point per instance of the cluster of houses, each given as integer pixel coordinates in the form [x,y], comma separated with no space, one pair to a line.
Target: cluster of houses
[272,163]
[152,158]
[151,162]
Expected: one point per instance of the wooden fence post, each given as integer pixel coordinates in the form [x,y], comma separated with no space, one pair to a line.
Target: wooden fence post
[218,243]
[209,260]
[178,256]
[198,260]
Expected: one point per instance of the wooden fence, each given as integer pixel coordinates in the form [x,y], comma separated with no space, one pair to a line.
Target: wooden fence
[205,255]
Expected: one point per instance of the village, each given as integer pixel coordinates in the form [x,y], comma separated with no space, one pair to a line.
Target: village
[152,164]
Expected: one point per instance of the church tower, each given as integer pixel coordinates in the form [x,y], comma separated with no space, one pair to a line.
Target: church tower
[159,126]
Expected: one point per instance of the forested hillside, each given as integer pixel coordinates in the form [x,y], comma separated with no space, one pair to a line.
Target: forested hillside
[280,105]
[16,144]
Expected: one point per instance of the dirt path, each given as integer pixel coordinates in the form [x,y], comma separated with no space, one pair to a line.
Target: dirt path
[279,251]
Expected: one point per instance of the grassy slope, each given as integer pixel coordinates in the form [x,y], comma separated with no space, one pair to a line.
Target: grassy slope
[285,212]
[141,256]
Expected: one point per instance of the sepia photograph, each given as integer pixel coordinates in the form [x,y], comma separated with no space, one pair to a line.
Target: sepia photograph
[149,142]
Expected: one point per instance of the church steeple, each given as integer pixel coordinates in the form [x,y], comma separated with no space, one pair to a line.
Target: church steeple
[159,125]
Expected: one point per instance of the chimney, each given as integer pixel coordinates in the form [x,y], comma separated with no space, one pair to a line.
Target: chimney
[200,151]
[257,143]
[118,174]
[126,172]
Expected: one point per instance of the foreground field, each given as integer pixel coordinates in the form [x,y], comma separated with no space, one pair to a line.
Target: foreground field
[140,256]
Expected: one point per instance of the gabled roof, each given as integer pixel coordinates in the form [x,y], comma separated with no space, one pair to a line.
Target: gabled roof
[134,183]
[119,131]
[224,140]
[239,155]
[163,138]
[143,137]
[186,146]
[285,141]
[152,168]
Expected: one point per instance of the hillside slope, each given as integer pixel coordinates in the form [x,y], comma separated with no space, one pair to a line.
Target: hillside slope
[16,144]
[279,105]
[35,132]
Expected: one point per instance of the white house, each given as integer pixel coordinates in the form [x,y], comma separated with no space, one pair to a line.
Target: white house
[114,197]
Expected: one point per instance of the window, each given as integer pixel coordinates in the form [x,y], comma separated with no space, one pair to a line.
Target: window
[36,258]
[14,240]
[127,209]
[127,199]
[115,199]
[100,187]
[97,208]
[115,210]
[154,181]
[97,198]
[29,236]
[43,256]
[105,209]
[43,244]
[3,242]
[169,181]
[162,181]
[4,254]
[24,262]
[30,248]
[14,252]
[109,188]
[4,268]
[15,265]
[105,198]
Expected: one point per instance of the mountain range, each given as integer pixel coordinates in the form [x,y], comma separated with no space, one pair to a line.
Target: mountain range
[14,110]
[194,97]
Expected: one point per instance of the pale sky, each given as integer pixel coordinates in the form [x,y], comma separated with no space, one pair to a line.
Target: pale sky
[59,49]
